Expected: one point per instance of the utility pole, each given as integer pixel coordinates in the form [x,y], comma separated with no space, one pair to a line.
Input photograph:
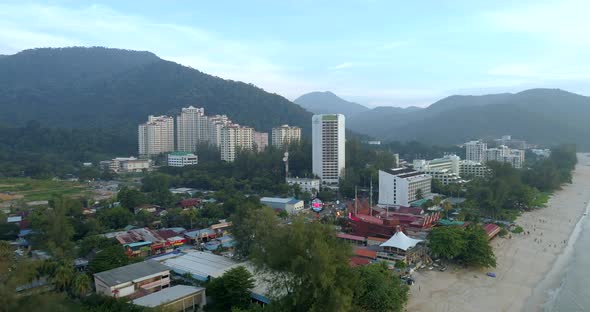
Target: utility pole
[356,207]
[286,160]
[371,195]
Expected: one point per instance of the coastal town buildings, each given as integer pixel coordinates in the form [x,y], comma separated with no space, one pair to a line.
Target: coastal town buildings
[400,186]
[156,136]
[328,147]
[445,169]
[290,205]
[506,155]
[475,151]
[285,134]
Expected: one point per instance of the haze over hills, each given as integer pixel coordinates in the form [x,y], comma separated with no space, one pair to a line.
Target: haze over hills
[541,116]
[328,103]
[112,88]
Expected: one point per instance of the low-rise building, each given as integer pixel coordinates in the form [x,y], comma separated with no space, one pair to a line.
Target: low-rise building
[181,159]
[445,169]
[290,205]
[306,184]
[473,169]
[142,277]
[177,298]
[125,164]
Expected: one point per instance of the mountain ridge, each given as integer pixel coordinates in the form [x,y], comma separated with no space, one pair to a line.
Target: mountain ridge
[326,102]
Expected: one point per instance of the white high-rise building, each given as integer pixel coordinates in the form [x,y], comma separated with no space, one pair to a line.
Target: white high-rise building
[233,138]
[285,134]
[156,136]
[475,151]
[445,169]
[399,186]
[505,154]
[328,147]
[191,129]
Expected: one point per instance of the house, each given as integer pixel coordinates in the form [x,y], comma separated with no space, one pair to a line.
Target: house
[133,280]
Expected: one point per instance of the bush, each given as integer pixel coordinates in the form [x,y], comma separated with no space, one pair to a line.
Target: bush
[517,230]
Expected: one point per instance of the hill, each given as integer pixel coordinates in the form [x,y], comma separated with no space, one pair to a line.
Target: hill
[329,103]
[117,89]
[541,116]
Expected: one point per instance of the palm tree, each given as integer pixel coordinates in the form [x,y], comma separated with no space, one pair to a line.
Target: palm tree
[81,284]
[447,206]
[62,278]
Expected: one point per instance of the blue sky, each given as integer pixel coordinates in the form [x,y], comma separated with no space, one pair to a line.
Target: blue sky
[374,52]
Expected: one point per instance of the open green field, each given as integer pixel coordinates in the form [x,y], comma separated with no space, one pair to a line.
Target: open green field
[32,190]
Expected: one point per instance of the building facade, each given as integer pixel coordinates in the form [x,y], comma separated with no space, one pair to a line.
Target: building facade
[306,184]
[181,159]
[473,169]
[328,147]
[191,129]
[504,154]
[156,136]
[142,277]
[445,169]
[234,138]
[260,141]
[475,151]
[125,164]
[284,135]
[399,186]
[290,205]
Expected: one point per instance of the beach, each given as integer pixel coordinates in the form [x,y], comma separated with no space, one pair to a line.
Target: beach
[529,266]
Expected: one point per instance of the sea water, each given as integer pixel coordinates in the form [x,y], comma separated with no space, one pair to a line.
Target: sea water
[574,291]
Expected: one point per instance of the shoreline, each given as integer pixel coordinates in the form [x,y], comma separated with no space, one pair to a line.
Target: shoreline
[528,265]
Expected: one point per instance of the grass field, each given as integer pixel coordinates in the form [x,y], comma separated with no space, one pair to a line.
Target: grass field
[32,190]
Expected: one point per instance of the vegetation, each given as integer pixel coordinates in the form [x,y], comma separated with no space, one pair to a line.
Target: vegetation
[378,289]
[470,246]
[231,290]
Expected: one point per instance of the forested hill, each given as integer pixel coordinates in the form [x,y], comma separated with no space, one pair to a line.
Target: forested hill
[117,89]
[541,116]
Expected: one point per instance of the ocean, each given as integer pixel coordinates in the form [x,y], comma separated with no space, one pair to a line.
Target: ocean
[574,292]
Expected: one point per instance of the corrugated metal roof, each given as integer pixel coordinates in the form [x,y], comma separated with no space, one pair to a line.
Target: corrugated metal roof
[130,272]
[167,295]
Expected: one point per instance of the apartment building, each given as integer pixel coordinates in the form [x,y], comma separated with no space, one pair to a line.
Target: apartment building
[139,278]
[472,169]
[214,125]
[505,154]
[445,169]
[234,138]
[191,129]
[475,151]
[284,135]
[328,147]
[399,186]
[260,141]
[156,136]
[305,184]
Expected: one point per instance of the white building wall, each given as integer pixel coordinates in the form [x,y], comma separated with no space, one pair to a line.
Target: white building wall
[285,134]
[156,136]
[328,147]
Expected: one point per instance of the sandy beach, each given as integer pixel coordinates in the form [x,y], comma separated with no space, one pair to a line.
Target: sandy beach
[528,265]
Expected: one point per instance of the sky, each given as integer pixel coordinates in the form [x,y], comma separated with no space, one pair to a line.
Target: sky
[377,53]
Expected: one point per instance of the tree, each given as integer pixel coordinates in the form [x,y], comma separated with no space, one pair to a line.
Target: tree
[131,198]
[63,276]
[308,267]
[478,251]
[109,258]
[419,194]
[115,218]
[81,284]
[447,206]
[231,290]
[447,242]
[377,289]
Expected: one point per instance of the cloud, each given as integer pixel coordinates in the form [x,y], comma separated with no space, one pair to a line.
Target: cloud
[98,25]
[342,66]
[564,21]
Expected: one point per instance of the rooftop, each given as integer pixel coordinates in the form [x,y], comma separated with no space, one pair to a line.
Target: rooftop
[200,264]
[130,272]
[287,200]
[181,154]
[167,295]
[400,241]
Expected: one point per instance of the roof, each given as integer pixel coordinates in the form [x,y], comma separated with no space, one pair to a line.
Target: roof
[411,210]
[200,264]
[167,295]
[199,233]
[400,241]
[491,230]
[364,252]
[130,272]
[351,237]
[359,261]
[14,219]
[181,154]
[288,200]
